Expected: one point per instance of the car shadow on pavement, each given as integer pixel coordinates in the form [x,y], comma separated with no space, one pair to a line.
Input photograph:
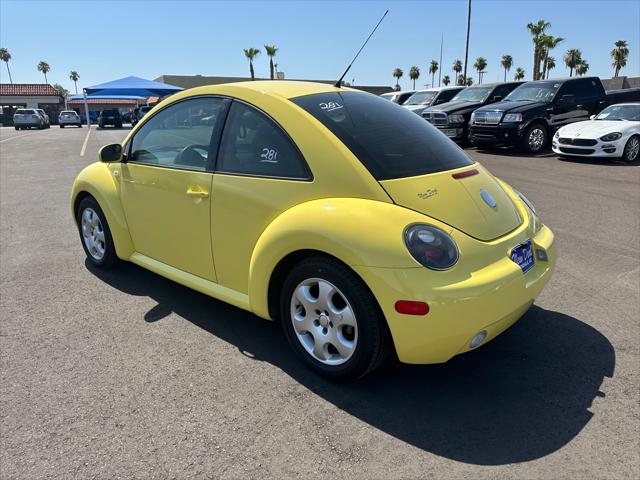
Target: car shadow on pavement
[608,162]
[521,397]
[515,152]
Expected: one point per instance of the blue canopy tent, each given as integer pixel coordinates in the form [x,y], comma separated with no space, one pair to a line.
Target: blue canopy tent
[128,87]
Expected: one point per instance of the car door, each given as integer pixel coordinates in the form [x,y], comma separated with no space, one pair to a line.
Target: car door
[259,174]
[565,109]
[166,184]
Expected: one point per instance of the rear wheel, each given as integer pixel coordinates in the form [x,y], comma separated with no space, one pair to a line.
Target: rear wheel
[332,320]
[631,149]
[95,234]
[534,139]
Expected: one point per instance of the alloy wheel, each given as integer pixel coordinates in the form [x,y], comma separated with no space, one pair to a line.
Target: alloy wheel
[632,149]
[324,322]
[536,139]
[93,234]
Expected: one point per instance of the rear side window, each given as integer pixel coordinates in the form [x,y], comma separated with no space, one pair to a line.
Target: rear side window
[252,144]
[391,141]
[445,96]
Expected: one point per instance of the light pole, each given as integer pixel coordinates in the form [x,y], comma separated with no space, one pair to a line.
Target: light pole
[466,50]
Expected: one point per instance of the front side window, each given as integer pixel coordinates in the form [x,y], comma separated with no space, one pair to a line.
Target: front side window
[252,144]
[475,94]
[420,98]
[391,141]
[534,92]
[179,136]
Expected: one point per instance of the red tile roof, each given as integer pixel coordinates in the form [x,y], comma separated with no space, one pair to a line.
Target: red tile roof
[103,101]
[27,89]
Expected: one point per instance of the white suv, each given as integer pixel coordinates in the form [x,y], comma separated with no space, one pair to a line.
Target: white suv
[69,117]
[27,118]
[43,114]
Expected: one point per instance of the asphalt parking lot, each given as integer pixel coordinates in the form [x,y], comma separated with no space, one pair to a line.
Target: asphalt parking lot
[123,374]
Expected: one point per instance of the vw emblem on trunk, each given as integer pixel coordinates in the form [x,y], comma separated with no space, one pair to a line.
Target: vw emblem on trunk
[488,198]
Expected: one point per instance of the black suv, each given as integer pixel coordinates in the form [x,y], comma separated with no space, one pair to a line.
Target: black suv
[530,114]
[452,118]
[110,117]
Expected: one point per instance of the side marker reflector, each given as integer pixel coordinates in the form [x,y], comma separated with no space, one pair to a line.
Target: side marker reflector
[466,173]
[412,308]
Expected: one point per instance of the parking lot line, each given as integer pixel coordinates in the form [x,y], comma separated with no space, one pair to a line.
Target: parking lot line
[17,136]
[86,140]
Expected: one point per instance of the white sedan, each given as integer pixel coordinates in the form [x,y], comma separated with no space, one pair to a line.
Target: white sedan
[613,133]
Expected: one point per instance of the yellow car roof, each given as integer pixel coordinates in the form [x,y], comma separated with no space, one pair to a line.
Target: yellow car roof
[282,88]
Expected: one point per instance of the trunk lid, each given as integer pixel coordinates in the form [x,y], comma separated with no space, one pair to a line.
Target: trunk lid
[464,202]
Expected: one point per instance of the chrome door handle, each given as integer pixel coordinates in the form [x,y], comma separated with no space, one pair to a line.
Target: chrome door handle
[197,193]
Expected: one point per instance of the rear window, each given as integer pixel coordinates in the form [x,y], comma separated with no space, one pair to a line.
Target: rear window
[110,113]
[391,141]
[25,111]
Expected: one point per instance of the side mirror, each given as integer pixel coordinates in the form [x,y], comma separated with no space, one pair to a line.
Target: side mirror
[110,153]
[592,117]
[568,99]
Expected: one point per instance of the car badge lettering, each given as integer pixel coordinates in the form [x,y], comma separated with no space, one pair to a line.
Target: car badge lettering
[429,193]
[488,198]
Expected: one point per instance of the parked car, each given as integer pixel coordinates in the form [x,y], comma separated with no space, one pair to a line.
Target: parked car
[452,118]
[110,117]
[398,97]
[28,118]
[529,116]
[126,117]
[353,222]
[613,133]
[138,113]
[43,114]
[69,117]
[94,115]
[430,97]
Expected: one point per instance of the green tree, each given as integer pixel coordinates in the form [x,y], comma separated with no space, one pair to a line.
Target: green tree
[551,64]
[5,56]
[414,74]
[74,76]
[549,42]
[480,65]
[582,67]
[469,81]
[507,63]
[457,68]
[251,54]
[44,68]
[271,52]
[433,68]
[619,56]
[537,31]
[572,58]
[397,73]
[446,80]
[519,74]
[61,90]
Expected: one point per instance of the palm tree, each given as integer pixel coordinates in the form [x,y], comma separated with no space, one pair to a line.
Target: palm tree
[549,42]
[433,68]
[480,65]
[271,52]
[537,31]
[519,74]
[397,73]
[582,67]
[44,68]
[619,56]
[551,64]
[5,56]
[74,76]
[572,58]
[251,53]
[446,80]
[457,68]
[507,63]
[414,74]
[469,81]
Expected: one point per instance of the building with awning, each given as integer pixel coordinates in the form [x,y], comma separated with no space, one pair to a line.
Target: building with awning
[29,95]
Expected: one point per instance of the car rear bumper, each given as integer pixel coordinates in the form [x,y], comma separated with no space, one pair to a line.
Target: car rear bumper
[490,300]
[69,122]
[28,124]
[501,134]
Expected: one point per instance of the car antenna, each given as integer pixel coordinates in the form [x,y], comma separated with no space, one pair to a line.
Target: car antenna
[339,82]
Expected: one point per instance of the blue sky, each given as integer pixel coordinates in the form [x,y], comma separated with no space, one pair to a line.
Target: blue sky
[107,40]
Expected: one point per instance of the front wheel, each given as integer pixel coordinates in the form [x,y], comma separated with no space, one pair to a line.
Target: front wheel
[332,320]
[95,234]
[631,149]
[534,139]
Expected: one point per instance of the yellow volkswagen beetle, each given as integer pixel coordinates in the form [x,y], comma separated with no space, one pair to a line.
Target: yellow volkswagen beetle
[351,220]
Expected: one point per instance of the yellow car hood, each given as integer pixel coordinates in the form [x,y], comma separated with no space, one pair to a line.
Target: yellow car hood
[460,198]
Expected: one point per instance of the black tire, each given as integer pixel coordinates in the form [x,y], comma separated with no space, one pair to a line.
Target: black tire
[61,126]
[374,339]
[530,140]
[109,258]
[627,154]
[17,128]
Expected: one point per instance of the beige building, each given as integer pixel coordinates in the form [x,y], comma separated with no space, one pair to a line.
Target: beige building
[29,95]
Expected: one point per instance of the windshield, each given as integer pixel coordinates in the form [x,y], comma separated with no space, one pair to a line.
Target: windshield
[420,98]
[620,112]
[533,92]
[391,141]
[476,94]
